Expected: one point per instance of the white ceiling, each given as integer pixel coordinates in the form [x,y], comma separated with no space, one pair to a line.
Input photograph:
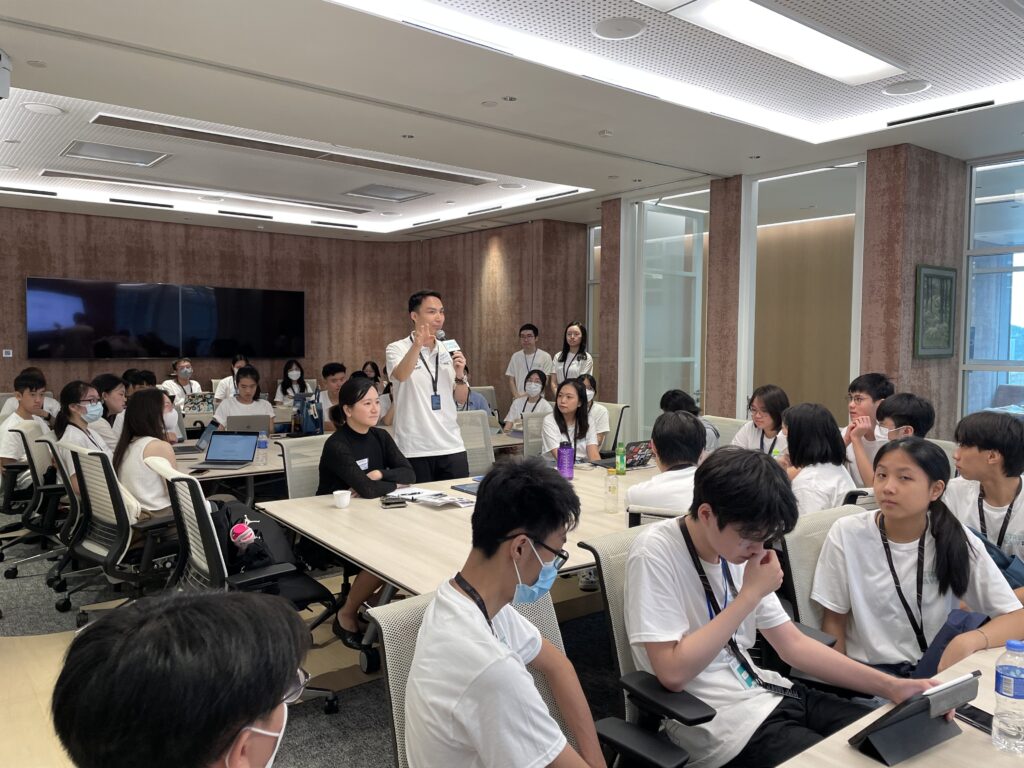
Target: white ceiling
[325,75]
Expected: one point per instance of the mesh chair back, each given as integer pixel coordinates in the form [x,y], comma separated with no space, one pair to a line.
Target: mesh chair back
[204,568]
[616,412]
[301,457]
[488,395]
[36,455]
[73,523]
[948,447]
[399,624]
[533,434]
[652,514]
[107,533]
[803,546]
[727,428]
[476,435]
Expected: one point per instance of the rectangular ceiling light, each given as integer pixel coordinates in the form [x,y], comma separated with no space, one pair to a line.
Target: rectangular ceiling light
[750,23]
[108,153]
[387,194]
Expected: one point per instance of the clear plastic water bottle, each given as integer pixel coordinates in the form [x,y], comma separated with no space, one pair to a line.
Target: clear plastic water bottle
[611,492]
[566,460]
[261,450]
[1008,720]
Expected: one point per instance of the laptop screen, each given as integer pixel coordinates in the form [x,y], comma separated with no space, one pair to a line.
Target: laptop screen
[204,439]
[232,446]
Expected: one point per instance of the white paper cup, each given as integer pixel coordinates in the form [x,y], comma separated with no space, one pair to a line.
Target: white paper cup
[342,499]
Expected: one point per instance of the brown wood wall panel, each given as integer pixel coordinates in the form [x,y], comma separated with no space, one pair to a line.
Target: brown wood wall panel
[723,282]
[608,326]
[356,292]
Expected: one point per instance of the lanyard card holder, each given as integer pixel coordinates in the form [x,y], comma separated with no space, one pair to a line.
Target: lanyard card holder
[917,724]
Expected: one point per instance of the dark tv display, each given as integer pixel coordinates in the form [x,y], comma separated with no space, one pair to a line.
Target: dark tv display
[98,319]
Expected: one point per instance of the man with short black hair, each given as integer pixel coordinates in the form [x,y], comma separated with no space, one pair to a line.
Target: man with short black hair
[470,700]
[29,391]
[677,441]
[678,400]
[699,587]
[527,359]
[333,375]
[904,415]
[863,437]
[423,376]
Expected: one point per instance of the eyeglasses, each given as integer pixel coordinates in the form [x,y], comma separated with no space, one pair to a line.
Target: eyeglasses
[560,554]
[858,399]
[90,401]
[294,693]
[757,412]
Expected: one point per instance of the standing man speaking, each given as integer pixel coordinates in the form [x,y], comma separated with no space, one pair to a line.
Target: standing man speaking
[424,373]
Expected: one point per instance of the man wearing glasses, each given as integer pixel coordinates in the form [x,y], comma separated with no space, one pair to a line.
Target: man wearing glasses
[470,700]
[527,359]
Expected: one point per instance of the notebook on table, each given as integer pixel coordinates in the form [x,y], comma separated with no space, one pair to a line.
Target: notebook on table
[229,450]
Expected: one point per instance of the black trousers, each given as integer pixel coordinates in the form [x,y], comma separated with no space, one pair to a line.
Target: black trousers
[447,467]
[796,724]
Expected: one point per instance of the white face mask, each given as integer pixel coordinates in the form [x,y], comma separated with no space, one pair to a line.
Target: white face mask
[279,736]
[533,388]
[294,375]
[590,395]
[185,373]
[171,421]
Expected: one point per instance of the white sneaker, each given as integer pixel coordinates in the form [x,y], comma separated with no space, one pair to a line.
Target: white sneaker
[588,580]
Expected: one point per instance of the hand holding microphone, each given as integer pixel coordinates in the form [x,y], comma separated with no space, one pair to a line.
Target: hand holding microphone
[458,359]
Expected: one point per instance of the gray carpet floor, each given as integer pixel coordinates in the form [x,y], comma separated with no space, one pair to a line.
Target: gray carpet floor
[359,735]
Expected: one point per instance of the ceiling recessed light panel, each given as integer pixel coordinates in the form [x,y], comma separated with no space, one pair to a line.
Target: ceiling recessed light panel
[619,28]
[42,109]
[108,153]
[386,193]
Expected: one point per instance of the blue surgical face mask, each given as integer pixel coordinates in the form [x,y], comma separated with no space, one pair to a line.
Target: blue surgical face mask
[526,593]
[185,373]
[93,412]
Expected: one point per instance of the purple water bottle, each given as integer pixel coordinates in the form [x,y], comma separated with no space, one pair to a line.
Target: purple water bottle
[566,460]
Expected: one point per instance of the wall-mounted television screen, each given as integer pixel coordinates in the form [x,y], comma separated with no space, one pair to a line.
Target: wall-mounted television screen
[98,319]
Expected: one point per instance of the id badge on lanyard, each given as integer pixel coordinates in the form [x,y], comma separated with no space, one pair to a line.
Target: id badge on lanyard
[745,678]
[435,402]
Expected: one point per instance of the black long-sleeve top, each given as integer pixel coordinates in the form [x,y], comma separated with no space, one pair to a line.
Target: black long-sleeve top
[348,456]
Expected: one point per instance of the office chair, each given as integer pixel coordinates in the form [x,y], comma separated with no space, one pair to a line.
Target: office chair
[616,411]
[727,428]
[476,436]
[533,434]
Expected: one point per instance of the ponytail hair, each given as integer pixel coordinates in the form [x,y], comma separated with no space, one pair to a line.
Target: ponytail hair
[72,394]
[952,551]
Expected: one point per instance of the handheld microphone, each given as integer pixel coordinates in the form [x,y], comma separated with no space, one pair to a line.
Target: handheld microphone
[450,344]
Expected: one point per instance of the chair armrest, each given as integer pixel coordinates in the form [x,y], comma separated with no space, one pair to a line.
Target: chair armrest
[16,467]
[640,746]
[816,634]
[648,694]
[257,575]
[852,496]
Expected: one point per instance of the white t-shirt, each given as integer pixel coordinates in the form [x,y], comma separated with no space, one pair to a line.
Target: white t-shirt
[710,436]
[598,414]
[871,448]
[520,404]
[821,486]
[102,428]
[118,425]
[961,496]
[234,407]
[552,437]
[225,388]
[88,439]
[419,430]
[469,699]
[520,364]
[178,392]
[325,402]
[12,447]
[754,439]
[142,482]
[572,367]
[385,406]
[668,490]
[664,601]
[286,392]
[51,406]
[853,577]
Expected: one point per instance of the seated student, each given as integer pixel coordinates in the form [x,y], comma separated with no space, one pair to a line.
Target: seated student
[987,495]
[293,382]
[380,381]
[678,400]
[569,423]
[532,402]
[360,457]
[28,400]
[527,359]
[226,387]
[904,415]
[111,391]
[874,563]
[135,381]
[574,360]
[470,700]
[148,419]
[697,589]
[334,375]
[596,412]
[233,657]
[50,407]
[764,430]
[817,459]
[465,398]
[247,402]
[80,409]
[181,382]
[677,440]
[863,437]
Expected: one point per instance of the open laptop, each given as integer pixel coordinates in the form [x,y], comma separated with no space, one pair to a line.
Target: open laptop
[202,442]
[229,450]
[247,424]
[637,455]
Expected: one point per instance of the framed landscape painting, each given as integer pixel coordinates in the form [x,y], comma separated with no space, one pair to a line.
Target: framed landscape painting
[935,312]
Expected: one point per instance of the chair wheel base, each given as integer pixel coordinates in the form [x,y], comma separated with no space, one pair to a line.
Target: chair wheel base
[369,660]
[60,586]
[2,555]
[63,606]
[81,619]
[331,705]
[11,573]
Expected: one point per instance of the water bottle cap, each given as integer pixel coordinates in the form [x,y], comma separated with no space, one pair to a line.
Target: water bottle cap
[1017,646]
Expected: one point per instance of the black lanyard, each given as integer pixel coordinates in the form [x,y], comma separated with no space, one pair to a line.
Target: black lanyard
[475,597]
[918,628]
[437,362]
[568,365]
[770,447]
[714,610]
[87,435]
[529,364]
[526,403]
[1006,519]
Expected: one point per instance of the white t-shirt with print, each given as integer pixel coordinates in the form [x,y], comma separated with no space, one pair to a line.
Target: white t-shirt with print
[552,437]
[871,448]
[470,700]
[853,577]
[961,496]
[573,366]
[12,446]
[232,406]
[418,429]
[178,392]
[664,602]
[520,405]
[668,490]
[754,439]
[821,486]
[520,364]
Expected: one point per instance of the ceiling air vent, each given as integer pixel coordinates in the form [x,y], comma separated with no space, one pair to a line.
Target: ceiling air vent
[556,194]
[387,194]
[484,210]
[333,224]
[16,191]
[126,201]
[109,153]
[421,223]
[246,215]
[941,113]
